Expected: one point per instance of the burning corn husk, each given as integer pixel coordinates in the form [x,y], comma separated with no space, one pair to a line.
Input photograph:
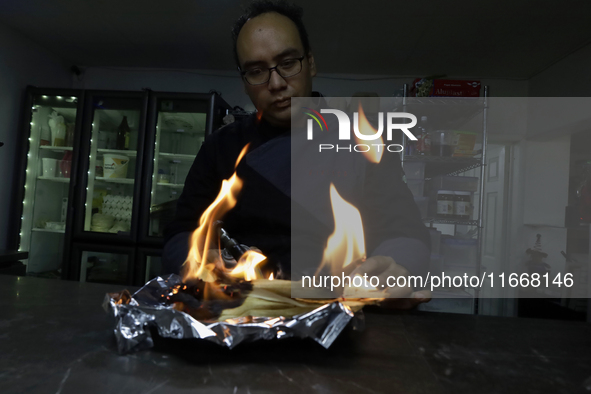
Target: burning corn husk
[272,298]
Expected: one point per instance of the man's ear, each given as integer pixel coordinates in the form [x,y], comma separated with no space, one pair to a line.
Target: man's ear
[312,64]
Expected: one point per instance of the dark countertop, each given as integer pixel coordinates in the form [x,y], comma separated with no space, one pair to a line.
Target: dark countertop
[8,256]
[56,338]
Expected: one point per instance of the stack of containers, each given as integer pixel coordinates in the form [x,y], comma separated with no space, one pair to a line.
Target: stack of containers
[451,198]
[414,172]
[119,207]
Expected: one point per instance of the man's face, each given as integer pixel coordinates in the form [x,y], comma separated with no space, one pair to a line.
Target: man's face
[264,42]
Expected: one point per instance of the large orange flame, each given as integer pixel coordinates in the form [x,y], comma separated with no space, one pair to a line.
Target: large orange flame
[374,154]
[247,266]
[346,244]
[205,237]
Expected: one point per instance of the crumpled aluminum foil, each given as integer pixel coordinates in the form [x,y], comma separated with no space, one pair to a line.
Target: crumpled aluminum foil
[134,315]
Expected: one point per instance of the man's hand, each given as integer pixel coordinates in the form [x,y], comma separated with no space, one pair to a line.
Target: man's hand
[384,267]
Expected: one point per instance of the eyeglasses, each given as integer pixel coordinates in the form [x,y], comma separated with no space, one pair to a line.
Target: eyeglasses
[287,68]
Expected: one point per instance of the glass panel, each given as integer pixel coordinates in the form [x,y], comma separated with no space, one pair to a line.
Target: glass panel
[49,164]
[112,164]
[153,267]
[101,267]
[180,131]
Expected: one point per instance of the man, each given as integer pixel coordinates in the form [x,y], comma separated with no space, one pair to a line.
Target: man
[275,60]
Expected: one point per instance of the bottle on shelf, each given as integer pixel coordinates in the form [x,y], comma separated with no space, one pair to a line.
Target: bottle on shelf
[123,134]
[45,136]
[423,143]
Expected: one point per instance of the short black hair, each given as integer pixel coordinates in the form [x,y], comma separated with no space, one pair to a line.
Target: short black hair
[259,7]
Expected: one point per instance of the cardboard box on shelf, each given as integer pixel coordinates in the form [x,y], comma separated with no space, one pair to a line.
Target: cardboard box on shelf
[423,87]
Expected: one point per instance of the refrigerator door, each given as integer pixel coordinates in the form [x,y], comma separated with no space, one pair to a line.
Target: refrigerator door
[177,127]
[113,135]
[47,171]
[149,265]
[104,264]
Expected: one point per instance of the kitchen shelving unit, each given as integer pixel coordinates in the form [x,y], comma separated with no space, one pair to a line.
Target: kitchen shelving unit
[457,112]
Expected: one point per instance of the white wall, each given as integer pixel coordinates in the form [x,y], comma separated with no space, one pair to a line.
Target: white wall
[557,107]
[551,116]
[546,181]
[22,63]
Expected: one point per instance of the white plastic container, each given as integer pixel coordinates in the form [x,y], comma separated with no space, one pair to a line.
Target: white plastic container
[49,167]
[115,166]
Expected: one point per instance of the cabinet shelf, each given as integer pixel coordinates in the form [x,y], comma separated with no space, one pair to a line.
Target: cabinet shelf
[452,112]
[46,230]
[183,131]
[54,179]
[171,185]
[442,165]
[451,221]
[475,102]
[175,156]
[126,181]
[56,148]
[129,153]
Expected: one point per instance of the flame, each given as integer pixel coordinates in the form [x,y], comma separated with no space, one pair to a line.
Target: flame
[197,266]
[247,266]
[202,238]
[346,244]
[375,153]
[271,276]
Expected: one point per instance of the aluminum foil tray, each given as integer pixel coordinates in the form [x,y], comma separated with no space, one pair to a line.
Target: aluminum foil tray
[135,314]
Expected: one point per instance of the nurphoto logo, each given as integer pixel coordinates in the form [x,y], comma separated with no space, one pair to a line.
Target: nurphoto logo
[363,133]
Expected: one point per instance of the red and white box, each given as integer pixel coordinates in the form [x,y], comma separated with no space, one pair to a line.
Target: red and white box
[445,88]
